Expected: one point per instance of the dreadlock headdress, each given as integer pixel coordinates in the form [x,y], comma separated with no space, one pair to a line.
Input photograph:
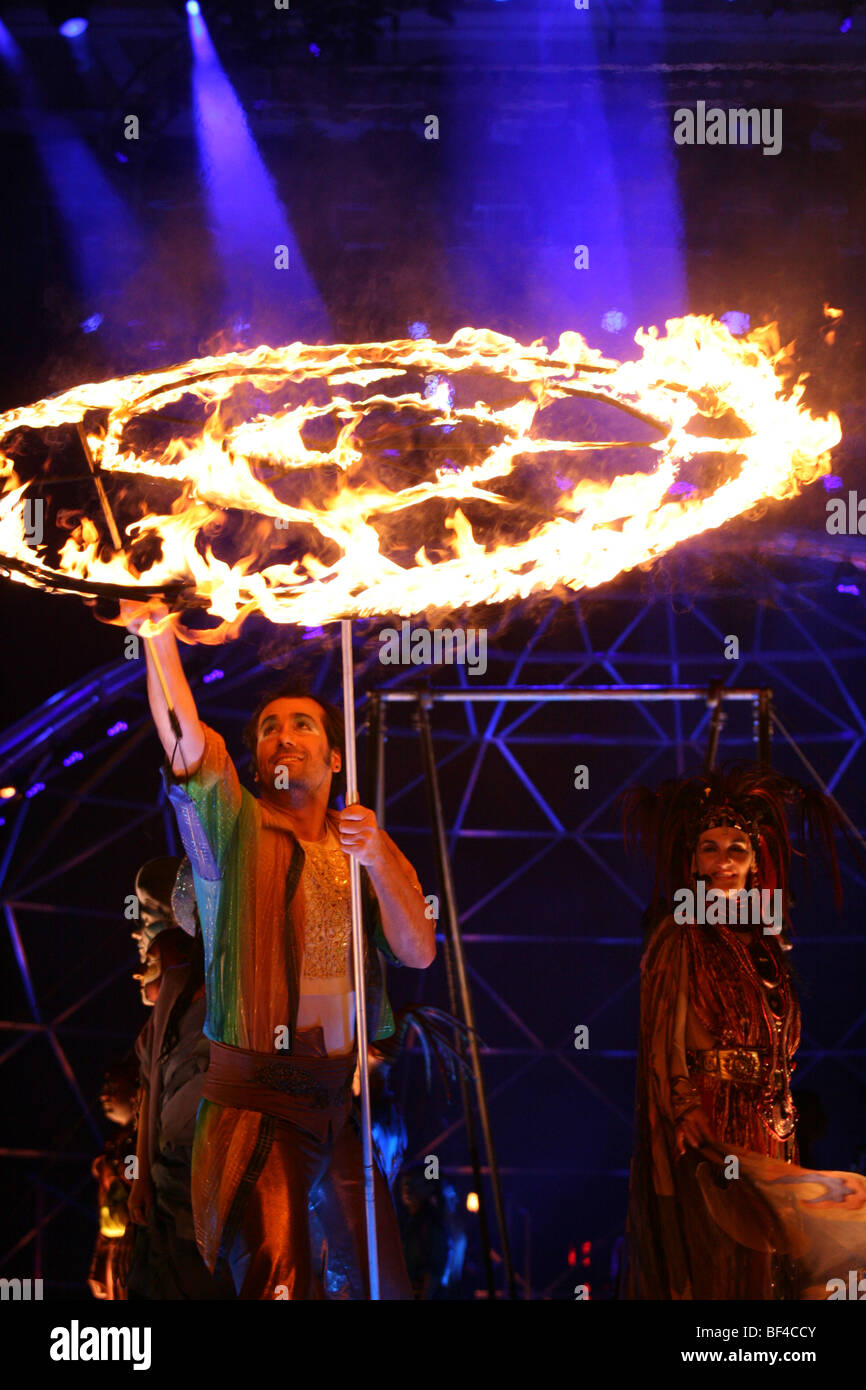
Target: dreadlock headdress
[666,824]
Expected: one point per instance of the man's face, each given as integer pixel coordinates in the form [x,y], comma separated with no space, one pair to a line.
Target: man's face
[150,976]
[118,1100]
[149,910]
[292,752]
[724,856]
[144,932]
[151,920]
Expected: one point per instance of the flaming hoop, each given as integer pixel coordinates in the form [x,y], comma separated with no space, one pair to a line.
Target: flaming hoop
[261,480]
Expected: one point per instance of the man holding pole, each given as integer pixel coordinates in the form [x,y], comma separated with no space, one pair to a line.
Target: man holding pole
[271,877]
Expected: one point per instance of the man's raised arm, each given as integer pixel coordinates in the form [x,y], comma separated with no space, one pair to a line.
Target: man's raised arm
[185,749]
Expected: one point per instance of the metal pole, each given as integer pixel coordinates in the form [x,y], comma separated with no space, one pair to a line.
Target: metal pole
[358,963]
[557,694]
[100,490]
[118,546]
[40,1219]
[376,758]
[717,719]
[447,886]
[764,727]
[451,984]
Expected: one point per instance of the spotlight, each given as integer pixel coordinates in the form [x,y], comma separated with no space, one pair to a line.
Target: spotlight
[193,7]
[736,322]
[71,17]
[846,580]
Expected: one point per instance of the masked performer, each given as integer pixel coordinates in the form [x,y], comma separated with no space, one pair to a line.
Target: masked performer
[173,1056]
[271,879]
[170,948]
[154,884]
[113,1172]
[720,1025]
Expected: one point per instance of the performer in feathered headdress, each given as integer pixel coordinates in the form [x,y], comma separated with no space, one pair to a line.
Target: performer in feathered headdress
[720,1024]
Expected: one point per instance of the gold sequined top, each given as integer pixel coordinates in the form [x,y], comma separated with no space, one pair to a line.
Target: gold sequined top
[328,912]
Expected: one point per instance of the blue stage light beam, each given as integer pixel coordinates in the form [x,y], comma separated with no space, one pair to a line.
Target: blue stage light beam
[103,240]
[75,31]
[566,196]
[269,291]
[99,233]
[10,53]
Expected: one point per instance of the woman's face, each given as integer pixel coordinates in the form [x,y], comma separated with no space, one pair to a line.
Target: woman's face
[150,976]
[118,1100]
[724,856]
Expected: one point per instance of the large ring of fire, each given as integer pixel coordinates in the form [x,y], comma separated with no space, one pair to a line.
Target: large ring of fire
[260,480]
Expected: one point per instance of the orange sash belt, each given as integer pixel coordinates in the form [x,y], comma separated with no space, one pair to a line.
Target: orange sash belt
[310,1091]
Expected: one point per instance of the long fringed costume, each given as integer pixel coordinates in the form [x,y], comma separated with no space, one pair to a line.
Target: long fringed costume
[720,1025]
[693,974]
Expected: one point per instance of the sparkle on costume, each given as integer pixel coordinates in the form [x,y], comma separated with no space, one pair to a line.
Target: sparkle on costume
[183,899]
[328,913]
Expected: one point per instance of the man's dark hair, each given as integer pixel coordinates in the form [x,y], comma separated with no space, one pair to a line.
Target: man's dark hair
[332,722]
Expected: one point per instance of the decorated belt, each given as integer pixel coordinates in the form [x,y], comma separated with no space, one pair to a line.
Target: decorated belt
[295,1080]
[255,1080]
[742,1064]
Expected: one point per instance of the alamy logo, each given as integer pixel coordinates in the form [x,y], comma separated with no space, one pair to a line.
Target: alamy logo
[846,518]
[20,1290]
[715,908]
[735,127]
[855,1289]
[443,646]
[34,521]
[76,1343]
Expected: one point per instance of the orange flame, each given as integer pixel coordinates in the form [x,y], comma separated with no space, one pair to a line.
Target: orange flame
[692,385]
